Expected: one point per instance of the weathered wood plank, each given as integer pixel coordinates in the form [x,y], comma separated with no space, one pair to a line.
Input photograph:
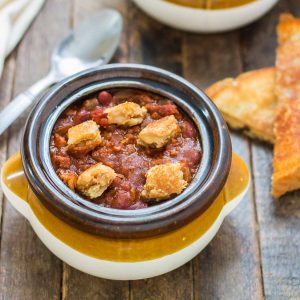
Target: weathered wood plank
[259,40]
[177,284]
[278,220]
[209,58]
[155,44]
[234,252]
[294,7]
[152,43]
[229,268]
[28,269]
[6,88]
[78,285]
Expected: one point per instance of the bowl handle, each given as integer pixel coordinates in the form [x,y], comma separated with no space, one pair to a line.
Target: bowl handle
[238,180]
[15,185]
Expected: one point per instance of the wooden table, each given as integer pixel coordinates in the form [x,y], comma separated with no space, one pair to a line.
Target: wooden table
[256,253]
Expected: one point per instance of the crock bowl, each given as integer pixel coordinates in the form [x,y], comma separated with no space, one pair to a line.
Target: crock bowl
[204,20]
[125,244]
[207,184]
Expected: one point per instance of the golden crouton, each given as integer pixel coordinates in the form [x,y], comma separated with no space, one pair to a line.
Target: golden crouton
[163,181]
[83,138]
[158,133]
[95,180]
[126,114]
[248,102]
[286,162]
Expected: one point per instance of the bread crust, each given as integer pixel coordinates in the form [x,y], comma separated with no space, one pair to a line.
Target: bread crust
[248,102]
[286,161]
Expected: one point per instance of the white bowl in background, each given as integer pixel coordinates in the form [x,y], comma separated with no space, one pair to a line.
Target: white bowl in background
[204,20]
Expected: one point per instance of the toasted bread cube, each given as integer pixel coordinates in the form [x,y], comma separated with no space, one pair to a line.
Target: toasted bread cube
[95,180]
[126,114]
[163,181]
[158,133]
[83,138]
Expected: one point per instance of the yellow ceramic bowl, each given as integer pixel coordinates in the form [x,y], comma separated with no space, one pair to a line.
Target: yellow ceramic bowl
[114,243]
[116,258]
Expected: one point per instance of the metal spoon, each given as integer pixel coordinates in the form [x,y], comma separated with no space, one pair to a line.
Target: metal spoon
[92,43]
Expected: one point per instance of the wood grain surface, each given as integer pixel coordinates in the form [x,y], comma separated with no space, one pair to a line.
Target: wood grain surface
[234,252]
[256,253]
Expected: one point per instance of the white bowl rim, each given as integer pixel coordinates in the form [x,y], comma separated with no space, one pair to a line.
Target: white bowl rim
[219,11]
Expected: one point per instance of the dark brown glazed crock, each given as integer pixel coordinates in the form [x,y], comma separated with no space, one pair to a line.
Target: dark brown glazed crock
[73,209]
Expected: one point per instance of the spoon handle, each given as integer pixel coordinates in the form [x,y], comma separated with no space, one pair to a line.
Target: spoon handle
[18,105]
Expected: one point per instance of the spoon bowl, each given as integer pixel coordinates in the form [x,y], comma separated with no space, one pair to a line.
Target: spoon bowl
[91,43]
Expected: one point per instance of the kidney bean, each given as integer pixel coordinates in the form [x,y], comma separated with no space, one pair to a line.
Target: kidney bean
[192,156]
[188,130]
[82,116]
[62,126]
[163,110]
[104,98]
[99,116]
[122,199]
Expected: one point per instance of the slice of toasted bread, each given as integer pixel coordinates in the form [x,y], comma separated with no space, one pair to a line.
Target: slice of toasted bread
[248,102]
[286,162]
